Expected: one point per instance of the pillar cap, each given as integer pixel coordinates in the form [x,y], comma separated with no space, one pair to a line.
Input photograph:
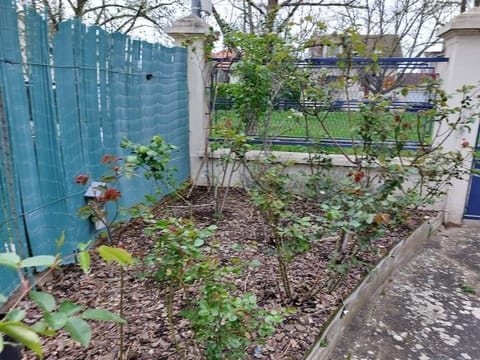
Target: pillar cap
[466,23]
[188,26]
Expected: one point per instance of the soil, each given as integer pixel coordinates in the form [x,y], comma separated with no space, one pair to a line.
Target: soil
[147,334]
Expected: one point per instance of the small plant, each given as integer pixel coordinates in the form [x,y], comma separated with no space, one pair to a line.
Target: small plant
[226,325]
[104,194]
[66,315]
[236,147]
[123,259]
[153,158]
[291,233]
[178,258]
[323,343]
[467,289]
[104,206]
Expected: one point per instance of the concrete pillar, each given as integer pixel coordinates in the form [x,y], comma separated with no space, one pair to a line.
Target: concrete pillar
[462,47]
[191,32]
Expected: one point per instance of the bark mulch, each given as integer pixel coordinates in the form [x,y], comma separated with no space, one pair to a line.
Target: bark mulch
[243,234]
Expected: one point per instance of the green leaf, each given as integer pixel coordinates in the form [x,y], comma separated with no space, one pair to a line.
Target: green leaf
[61,240]
[16,315]
[131,159]
[198,242]
[3,298]
[69,308]
[41,328]
[40,260]
[79,330]
[44,300]
[84,246]
[55,321]
[23,334]
[235,343]
[9,259]
[120,256]
[103,315]
[254,263]
[231,316]
[84,261]
[1,343]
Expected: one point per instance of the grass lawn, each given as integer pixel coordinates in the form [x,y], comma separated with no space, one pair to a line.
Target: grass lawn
[338,123]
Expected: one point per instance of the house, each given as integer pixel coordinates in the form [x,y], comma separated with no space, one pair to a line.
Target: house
[392,73]
[223,68]
[387,45]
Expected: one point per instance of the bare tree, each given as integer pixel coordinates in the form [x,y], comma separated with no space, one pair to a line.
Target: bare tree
[273,15]
[414,22]
[143,18]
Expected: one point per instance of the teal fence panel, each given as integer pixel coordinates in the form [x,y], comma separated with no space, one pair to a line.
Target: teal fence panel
[50,208]
[71,134]
[72,100]
[15,171]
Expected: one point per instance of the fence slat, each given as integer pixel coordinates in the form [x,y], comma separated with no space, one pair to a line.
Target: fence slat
[15,171]
[45,137]
[72,136]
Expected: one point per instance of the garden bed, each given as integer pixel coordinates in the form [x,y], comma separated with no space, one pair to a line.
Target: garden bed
[242,235]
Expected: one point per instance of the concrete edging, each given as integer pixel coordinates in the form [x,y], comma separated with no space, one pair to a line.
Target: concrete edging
[333,330]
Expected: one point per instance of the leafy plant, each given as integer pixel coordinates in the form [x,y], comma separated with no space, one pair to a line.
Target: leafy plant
[265,71]
[178,258]
[153,158]
[467,289]
[291,233]
[236,147]
[226,325]
[103,194]
[66,315]
[123,259]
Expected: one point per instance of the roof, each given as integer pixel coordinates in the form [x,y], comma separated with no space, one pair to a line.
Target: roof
[415,79]
[386,45]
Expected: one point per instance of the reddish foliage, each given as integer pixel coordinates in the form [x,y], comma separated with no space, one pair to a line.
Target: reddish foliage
[357,176]
[109,159]
[81,179]
[111,194]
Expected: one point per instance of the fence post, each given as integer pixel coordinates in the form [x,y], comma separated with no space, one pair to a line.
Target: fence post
[462,46]
[191,32]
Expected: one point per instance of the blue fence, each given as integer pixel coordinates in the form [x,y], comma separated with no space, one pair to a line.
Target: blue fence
[63,105]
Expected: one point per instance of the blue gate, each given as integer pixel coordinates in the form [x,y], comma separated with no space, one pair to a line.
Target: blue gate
[472,210]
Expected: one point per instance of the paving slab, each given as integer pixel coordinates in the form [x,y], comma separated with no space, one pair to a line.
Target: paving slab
[427,310]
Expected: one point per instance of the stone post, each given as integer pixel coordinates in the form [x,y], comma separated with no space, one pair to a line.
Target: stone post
[191,31]
[462,46]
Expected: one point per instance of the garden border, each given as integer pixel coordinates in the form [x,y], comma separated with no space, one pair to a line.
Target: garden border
[333,330]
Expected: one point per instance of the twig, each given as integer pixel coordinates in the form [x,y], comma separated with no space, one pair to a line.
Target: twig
[187,206]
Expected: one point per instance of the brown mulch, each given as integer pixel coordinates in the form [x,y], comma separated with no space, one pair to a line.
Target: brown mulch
[147,334]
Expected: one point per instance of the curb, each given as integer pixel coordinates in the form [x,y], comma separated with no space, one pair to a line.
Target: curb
[337,324]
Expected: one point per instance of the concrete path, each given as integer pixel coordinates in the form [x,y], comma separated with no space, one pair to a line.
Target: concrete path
[427,311]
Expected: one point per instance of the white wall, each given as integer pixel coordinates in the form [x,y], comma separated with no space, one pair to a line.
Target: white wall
[462,47]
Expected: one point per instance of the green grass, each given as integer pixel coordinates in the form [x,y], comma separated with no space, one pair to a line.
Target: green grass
[467,289]
[338,123]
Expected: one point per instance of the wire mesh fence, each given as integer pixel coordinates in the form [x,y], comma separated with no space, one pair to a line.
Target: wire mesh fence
[335,117]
